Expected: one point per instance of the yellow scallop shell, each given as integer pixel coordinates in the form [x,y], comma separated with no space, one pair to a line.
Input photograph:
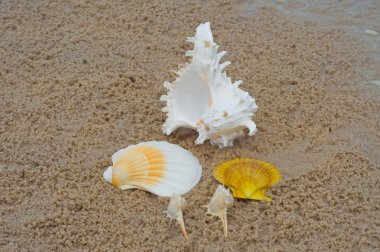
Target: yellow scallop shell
[247,178]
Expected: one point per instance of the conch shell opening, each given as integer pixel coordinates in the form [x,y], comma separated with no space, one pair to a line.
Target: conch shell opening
[203,98]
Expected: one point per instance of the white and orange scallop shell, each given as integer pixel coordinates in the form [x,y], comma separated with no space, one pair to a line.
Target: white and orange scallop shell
[161,168]
[203,98]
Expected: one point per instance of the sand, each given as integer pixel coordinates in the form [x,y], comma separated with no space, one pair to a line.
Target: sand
[81,79]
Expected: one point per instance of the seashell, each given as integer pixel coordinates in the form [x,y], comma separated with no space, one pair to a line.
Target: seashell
[176,204]
[203,97]
[157,167]
[248,178]
[221,199]
[371,32]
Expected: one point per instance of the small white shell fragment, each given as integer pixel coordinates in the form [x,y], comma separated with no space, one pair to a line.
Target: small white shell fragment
[203,98]
[371,32]
[376,82]
[176,205]
[221,199]
[157,167]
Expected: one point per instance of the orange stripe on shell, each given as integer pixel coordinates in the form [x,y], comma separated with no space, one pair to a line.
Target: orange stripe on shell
[140,166]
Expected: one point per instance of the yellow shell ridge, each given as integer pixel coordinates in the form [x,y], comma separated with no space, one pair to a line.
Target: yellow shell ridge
[248,178]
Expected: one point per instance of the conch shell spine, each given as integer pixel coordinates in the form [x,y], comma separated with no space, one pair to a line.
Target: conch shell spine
[219,202]
[176,204]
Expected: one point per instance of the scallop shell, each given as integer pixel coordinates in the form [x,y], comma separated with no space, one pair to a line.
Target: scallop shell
[157,167]
[176,204]
[221,199]
[203,98]
[248,178]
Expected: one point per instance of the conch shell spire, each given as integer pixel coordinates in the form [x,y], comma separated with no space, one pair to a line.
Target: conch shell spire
[203,97]
[176,204]
[221,199]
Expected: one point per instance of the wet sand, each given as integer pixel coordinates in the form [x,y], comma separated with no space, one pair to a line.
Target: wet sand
[81,79]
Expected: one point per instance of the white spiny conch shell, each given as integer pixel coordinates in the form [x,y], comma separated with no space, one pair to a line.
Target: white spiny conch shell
[158,167]
[176,204]
[221,199]
[203,98]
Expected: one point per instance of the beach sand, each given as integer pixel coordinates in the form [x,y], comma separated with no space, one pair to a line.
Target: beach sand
[81,79]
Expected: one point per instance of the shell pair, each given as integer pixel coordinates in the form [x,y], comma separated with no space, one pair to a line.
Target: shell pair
[248,178]
[219,202]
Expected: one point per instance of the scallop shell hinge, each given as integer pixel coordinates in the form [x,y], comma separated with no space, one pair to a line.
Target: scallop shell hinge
[203,97]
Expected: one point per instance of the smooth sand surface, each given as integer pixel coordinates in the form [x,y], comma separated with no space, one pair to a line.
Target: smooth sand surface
[81,79]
